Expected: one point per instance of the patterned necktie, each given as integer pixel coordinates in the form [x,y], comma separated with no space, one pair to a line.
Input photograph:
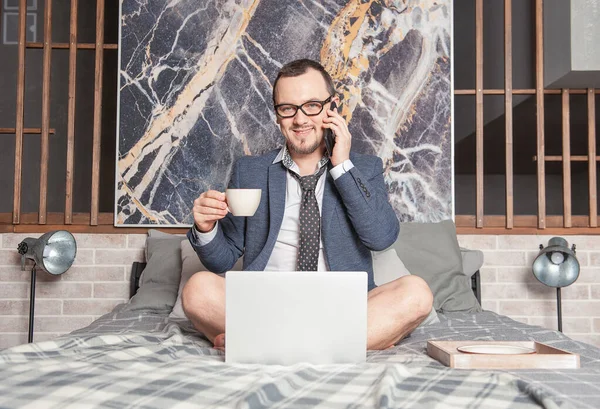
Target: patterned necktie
[310,222]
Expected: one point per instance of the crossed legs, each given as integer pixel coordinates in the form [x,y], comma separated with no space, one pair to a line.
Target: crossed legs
[393,309]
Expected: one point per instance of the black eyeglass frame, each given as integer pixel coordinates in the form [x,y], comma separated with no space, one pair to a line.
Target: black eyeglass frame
[299,107]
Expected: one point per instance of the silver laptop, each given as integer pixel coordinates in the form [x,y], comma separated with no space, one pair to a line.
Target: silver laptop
[290,317]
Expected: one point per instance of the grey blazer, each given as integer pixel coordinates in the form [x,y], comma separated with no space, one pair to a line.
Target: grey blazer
[356,217]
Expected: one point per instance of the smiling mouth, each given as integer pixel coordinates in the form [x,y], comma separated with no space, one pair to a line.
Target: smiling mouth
[302,132]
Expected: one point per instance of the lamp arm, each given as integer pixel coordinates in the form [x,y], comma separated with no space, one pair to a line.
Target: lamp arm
[31,304]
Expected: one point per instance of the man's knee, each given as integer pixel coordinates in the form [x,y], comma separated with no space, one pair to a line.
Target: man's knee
[419,293]
[199,292]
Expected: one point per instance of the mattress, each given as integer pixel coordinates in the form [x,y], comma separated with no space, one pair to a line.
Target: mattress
[146,360]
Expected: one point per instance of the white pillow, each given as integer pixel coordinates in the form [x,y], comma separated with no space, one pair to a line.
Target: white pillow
[387,267]
[190,264]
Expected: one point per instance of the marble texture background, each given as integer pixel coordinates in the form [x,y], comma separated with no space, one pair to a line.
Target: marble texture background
[195,94]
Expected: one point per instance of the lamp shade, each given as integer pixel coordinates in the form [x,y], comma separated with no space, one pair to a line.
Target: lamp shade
[54,252]
[556,265]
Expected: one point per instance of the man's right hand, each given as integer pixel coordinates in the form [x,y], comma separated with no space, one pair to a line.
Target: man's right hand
[208,208]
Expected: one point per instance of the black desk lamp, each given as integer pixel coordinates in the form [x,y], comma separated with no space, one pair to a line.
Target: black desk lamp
[556,266]
[53,252]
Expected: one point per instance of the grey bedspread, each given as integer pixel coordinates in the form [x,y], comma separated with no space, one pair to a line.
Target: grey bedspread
[144,360]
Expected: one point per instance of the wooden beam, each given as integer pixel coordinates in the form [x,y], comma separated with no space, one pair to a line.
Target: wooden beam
[539,66]
[44,148]
[97,111]
[71,114]
[19,113]
[592,168]
[102,229]
[465,224]
[522,91]
[572,158]
[566,153]
[67,46]
[80,225]
[479,110]
[508,111]
[527,222]
[530,231]
[57,218]
[26,131]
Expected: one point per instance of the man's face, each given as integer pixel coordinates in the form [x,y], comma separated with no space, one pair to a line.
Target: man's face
[303,134]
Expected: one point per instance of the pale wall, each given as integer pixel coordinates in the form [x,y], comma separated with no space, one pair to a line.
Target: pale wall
[99,280]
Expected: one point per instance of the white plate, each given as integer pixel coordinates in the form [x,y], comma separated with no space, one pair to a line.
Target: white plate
[495,349]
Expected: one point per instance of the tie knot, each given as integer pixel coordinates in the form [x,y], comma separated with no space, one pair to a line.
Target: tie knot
[308,183]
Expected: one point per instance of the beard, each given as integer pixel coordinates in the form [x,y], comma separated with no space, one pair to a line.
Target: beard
[304,149]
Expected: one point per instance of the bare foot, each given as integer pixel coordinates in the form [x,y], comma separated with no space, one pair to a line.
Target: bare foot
[219,342]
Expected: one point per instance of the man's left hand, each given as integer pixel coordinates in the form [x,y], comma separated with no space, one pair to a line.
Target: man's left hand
[343,138]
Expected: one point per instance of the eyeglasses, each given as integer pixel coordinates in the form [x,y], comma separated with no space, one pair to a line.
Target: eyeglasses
[310,108]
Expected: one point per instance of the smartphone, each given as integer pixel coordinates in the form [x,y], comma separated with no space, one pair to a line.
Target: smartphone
[328,134]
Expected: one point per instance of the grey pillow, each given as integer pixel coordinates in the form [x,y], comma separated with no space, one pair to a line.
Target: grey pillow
[431,251]
[472,261]
[153,297]
[160,280]
[160,235]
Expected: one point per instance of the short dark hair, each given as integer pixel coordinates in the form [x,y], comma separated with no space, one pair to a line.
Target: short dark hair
[299,67]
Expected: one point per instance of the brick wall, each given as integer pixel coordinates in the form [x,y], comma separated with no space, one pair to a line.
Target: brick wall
[509,287]
[99,280]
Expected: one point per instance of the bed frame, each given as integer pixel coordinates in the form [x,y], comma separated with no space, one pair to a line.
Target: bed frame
[138,268]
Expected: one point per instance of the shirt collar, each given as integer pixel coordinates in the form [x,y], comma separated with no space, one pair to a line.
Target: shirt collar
[285,157]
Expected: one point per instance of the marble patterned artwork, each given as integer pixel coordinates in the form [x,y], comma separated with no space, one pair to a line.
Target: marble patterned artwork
[195,83]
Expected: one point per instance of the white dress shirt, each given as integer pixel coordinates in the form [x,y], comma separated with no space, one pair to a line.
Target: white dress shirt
[285,253]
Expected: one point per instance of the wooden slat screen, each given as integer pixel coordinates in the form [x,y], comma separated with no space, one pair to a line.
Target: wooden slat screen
[97,221]
[541,222]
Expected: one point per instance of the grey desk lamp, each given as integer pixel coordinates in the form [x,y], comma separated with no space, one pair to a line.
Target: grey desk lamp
[53,252]
[556,266]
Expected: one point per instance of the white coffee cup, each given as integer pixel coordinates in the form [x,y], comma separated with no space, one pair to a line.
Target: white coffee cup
[243,202]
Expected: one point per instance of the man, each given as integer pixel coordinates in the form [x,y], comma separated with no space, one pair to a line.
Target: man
[355,214]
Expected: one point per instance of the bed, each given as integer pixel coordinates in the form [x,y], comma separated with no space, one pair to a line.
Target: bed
[141,355]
